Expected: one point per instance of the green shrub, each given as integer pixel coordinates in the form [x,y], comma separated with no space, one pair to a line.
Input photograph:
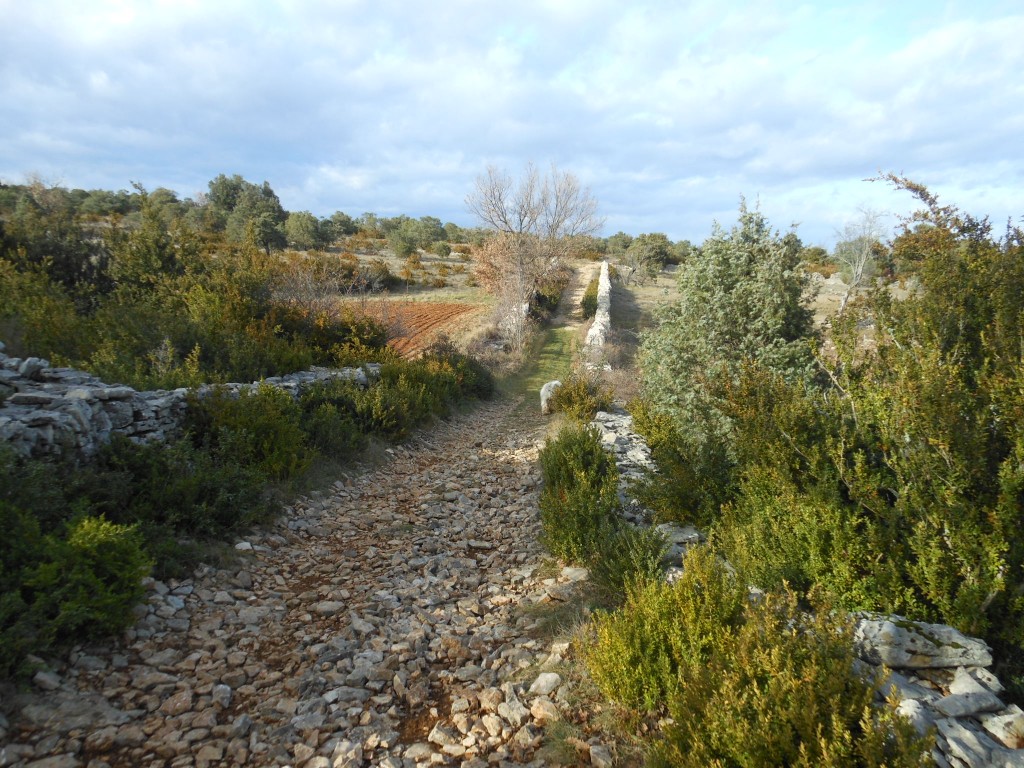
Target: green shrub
[321,330]
[779,536]
[472,377]
[406,395]
[579,503]
[174,490]
[589,301]
[378,276]
[578,519]
[355,353]
[693,481]
[581,396]
[630,554]
[332,431]
[21,550]
[36,489]
[743,300]
[640,650]
[575,452]
[89,582]
[338,415]
[784,689]
[328,418]
[549,292]
[259,428]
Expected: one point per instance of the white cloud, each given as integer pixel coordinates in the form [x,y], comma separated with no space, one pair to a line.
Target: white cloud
[668,110]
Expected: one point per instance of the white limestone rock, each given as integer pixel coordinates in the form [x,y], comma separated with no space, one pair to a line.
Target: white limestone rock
[546,393]
[902,644]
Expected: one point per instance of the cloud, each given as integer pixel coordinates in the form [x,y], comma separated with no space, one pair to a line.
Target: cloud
[669,111]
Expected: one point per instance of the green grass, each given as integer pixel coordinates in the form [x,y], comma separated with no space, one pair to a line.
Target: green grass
[549,359]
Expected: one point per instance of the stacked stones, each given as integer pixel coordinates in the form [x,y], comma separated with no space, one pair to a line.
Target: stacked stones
[47,411]
[938,676]
[940,679]
[602,320]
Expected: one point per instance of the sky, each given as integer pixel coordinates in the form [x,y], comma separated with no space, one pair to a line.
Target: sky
[668,111]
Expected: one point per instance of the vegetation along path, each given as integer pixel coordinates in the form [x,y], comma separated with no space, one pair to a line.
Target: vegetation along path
[388,620]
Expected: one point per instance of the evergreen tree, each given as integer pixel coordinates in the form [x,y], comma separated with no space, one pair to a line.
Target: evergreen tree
[743,299]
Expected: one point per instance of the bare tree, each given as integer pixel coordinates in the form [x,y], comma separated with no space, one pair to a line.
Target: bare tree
[511,266]
[534,219]
[569,210]
[551,207]
[856,250]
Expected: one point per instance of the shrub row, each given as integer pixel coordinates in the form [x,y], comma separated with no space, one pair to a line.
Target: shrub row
[745,683]
[157,305]
[888,475]
[699,650]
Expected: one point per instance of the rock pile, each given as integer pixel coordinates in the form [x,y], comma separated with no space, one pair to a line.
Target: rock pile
[546,393]
[46,410]
[940,679]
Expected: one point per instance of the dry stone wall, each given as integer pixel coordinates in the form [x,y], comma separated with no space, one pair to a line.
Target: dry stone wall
[48,411]
[602,319]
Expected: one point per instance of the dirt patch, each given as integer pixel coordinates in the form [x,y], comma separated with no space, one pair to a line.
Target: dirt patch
[416,324]
[416,726]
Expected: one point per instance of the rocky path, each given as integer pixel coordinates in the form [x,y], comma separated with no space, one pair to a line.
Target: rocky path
[385,622]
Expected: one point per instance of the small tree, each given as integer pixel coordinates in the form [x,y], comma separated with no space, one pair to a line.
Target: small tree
[534,219]
[646,255]
[743,299]
[856,252]
[302,230]
[343,224]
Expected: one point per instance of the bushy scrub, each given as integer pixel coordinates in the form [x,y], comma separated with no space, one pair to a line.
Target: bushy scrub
[90,580]
[692,481]
[339,416]
[328,419]
[743,299]
[581,396]
[640,651]
[472,377]
[780,536]
[783,688]
[174,490]
[744,682]
[79,582]
[405,396]
[630,554]
[154,304]
[579,501]
[21,550]
[258,428]
[549,291]
[892,479]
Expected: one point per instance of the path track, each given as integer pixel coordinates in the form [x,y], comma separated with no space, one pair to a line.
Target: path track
[386,621]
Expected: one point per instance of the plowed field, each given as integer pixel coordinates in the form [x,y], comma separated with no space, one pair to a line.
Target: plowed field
[417,323]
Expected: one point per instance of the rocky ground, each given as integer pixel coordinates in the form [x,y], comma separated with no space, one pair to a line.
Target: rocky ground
[387,621]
